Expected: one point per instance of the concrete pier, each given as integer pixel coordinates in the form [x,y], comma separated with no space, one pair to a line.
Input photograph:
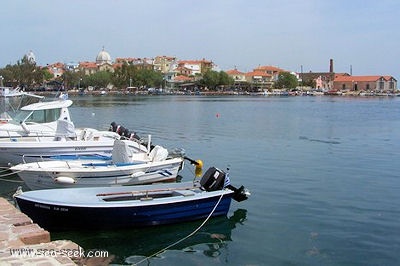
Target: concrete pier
[23,242]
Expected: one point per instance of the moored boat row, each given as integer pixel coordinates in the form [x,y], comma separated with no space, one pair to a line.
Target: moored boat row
[80,177]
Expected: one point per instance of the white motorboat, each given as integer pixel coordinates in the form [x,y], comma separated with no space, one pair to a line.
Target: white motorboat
[45,131]
[11,100]
[38,119]
[129,166]
[67,141]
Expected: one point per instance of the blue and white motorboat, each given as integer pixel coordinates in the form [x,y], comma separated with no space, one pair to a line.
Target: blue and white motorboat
[129,164]
[131,206]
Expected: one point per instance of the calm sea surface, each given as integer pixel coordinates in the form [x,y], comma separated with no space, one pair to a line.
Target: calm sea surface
[324,174]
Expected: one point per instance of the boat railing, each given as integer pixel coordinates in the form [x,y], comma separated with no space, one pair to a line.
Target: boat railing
[36,136]
[38,156]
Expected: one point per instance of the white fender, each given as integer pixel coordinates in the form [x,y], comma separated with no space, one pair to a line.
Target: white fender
[64,180]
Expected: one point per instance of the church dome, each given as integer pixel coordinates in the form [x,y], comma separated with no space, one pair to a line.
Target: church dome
[103,57]
[31,57]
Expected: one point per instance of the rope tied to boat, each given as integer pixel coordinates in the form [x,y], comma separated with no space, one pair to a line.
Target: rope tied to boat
[186,237]
[9,180]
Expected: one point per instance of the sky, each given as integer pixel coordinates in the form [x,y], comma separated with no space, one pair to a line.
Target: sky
[295,35]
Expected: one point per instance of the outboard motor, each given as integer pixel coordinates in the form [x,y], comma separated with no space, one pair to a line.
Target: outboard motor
[216,179]
[120,130]
[213,179]
[113,127]
[126,133]
[123,132]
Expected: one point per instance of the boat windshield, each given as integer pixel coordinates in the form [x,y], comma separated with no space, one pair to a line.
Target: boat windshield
[37,116]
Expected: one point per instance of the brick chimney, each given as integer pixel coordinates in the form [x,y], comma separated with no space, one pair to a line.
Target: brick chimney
[331,66]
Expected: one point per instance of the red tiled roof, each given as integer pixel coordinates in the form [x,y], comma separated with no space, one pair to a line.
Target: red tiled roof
[269,68]
[182,78]
[166,57]
[357,78]
[57,65]
[234,72]
[183,69]
[87,64]
[257,73]
[194,62]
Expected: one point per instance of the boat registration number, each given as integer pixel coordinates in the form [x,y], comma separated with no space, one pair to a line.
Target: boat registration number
[55,208]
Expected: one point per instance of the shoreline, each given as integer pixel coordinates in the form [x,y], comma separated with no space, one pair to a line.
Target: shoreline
[228,93]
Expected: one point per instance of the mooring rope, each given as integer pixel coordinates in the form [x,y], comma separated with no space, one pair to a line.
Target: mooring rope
[186,237]
[8,180]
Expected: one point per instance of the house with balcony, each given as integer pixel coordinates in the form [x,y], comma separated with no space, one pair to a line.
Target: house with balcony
[56,69]
[271,70]
[259,81]
[164,64]
[88,68]
[140,63]
[198,67]
[239,78]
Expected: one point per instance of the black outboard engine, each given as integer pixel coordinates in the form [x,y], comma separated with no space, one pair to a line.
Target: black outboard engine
[123,132]
[113,127]
[214,179]
[120,130]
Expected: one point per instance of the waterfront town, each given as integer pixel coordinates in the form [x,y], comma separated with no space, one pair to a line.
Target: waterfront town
[182,76]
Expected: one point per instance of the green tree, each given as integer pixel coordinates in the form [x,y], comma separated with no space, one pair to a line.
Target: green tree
[72,79]
[99,79]
[212,79]
[148,78]
[46,74]
[8,76]
[286,81]
[225,79]
[123,76]
[131,75]
[24,73]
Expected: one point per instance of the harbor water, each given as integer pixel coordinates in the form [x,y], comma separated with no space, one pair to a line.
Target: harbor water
[323,173]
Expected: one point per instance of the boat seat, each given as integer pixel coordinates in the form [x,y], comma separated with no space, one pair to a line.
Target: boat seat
[86,134]
[185,193]
[158,154]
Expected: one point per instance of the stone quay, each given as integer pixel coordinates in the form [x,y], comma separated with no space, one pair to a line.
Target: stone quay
[23,242]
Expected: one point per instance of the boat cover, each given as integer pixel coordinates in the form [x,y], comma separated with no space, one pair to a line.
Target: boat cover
[65,129]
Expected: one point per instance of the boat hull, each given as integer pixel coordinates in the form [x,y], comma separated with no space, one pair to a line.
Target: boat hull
[64,174]
[13,153]
[61,216]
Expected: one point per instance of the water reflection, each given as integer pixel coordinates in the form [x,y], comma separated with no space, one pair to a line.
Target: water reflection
[133,245]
